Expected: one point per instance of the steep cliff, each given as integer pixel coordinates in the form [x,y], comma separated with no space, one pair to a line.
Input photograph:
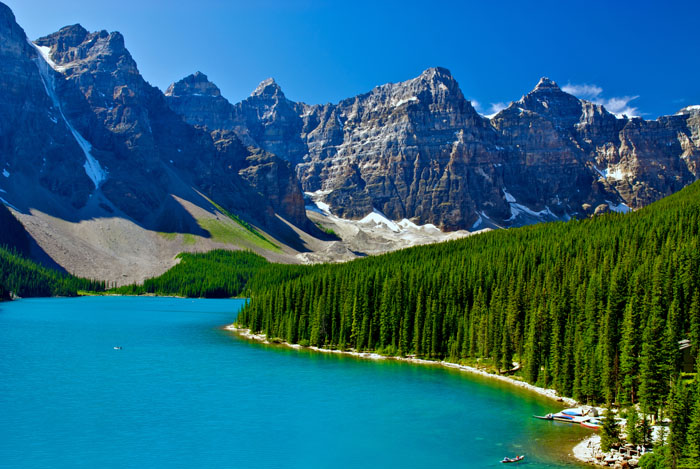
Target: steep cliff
[94,163]
[419,150]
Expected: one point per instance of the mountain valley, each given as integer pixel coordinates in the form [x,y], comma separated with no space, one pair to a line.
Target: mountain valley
[124,176]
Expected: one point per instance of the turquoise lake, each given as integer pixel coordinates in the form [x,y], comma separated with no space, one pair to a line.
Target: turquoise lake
[182,392]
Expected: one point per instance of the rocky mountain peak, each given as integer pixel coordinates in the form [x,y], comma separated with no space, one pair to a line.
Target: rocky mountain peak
[694,109]
[268,89]
[7,18]
[439,78]
[13,41]
[71,36]
[196,84]
[548,100]
[439,73]
[73,44]
[547,84]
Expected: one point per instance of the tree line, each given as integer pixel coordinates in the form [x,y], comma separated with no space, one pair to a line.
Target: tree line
[25,278]
[592,308]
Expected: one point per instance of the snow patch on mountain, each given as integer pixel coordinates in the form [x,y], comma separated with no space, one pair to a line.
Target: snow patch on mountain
[401,102]
[45,52]
[373,234]
[378,218]
[92,167]
[619,208]
[612,172]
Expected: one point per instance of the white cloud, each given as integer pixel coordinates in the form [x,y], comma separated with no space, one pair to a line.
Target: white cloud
[497,107]
[621,105]
[584,91]
[491,110]
[617,105]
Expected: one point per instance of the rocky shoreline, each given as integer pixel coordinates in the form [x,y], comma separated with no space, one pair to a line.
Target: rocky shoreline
[550,393]
[585,451]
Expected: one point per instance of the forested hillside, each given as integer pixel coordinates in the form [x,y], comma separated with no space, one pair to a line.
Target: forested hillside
[593,308]
[25,278]
[216,274]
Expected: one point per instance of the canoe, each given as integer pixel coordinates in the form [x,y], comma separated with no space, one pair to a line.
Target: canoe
[515,459]
[592,424]
[563,418]
[544,417]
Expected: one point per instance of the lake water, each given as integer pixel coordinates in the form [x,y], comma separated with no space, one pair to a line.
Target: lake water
[184,393]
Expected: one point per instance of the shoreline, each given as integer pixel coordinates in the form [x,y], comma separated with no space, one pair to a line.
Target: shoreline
[586,450]
[583,452]
[549,393]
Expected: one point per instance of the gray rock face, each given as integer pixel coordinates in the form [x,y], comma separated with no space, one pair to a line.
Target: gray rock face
[34,137]
[203,101]
[414,150]
[77,117]
[79,121]
[419,150]
[267,120]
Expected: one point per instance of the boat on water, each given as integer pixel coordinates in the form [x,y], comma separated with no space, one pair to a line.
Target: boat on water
[507,460]
[586,416]
[593,424]
[561,417]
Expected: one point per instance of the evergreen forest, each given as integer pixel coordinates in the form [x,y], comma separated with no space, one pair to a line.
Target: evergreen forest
[593,308]
[25,278]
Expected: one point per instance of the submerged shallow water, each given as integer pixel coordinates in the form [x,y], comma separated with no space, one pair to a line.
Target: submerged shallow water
[182,392]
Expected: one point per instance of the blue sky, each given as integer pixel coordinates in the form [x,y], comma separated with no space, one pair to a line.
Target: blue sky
[639,57]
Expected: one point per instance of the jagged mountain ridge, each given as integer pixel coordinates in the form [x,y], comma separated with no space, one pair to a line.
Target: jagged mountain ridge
[109,164]
[418,150]
[96,142]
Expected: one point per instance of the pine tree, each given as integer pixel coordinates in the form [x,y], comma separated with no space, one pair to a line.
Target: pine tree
[645,430]
[691,455]
[610,432]
[653,367]
[629,351]
[678,413]
[634,435]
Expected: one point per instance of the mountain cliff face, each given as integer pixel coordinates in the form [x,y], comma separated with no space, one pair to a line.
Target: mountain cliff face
[419,150]
[95,164]
[35,139]
[105,133]
[96,143]
[267,119]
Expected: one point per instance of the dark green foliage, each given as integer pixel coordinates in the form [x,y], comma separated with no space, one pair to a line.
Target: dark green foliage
[26,278]
[656,460]
[678,413]
[583,306]
[328,231]
[654,364]
[645,430]
[216,274]
[609,432]
[691,455]
[634,432]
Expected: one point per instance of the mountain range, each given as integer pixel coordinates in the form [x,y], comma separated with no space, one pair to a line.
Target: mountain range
[111,177]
